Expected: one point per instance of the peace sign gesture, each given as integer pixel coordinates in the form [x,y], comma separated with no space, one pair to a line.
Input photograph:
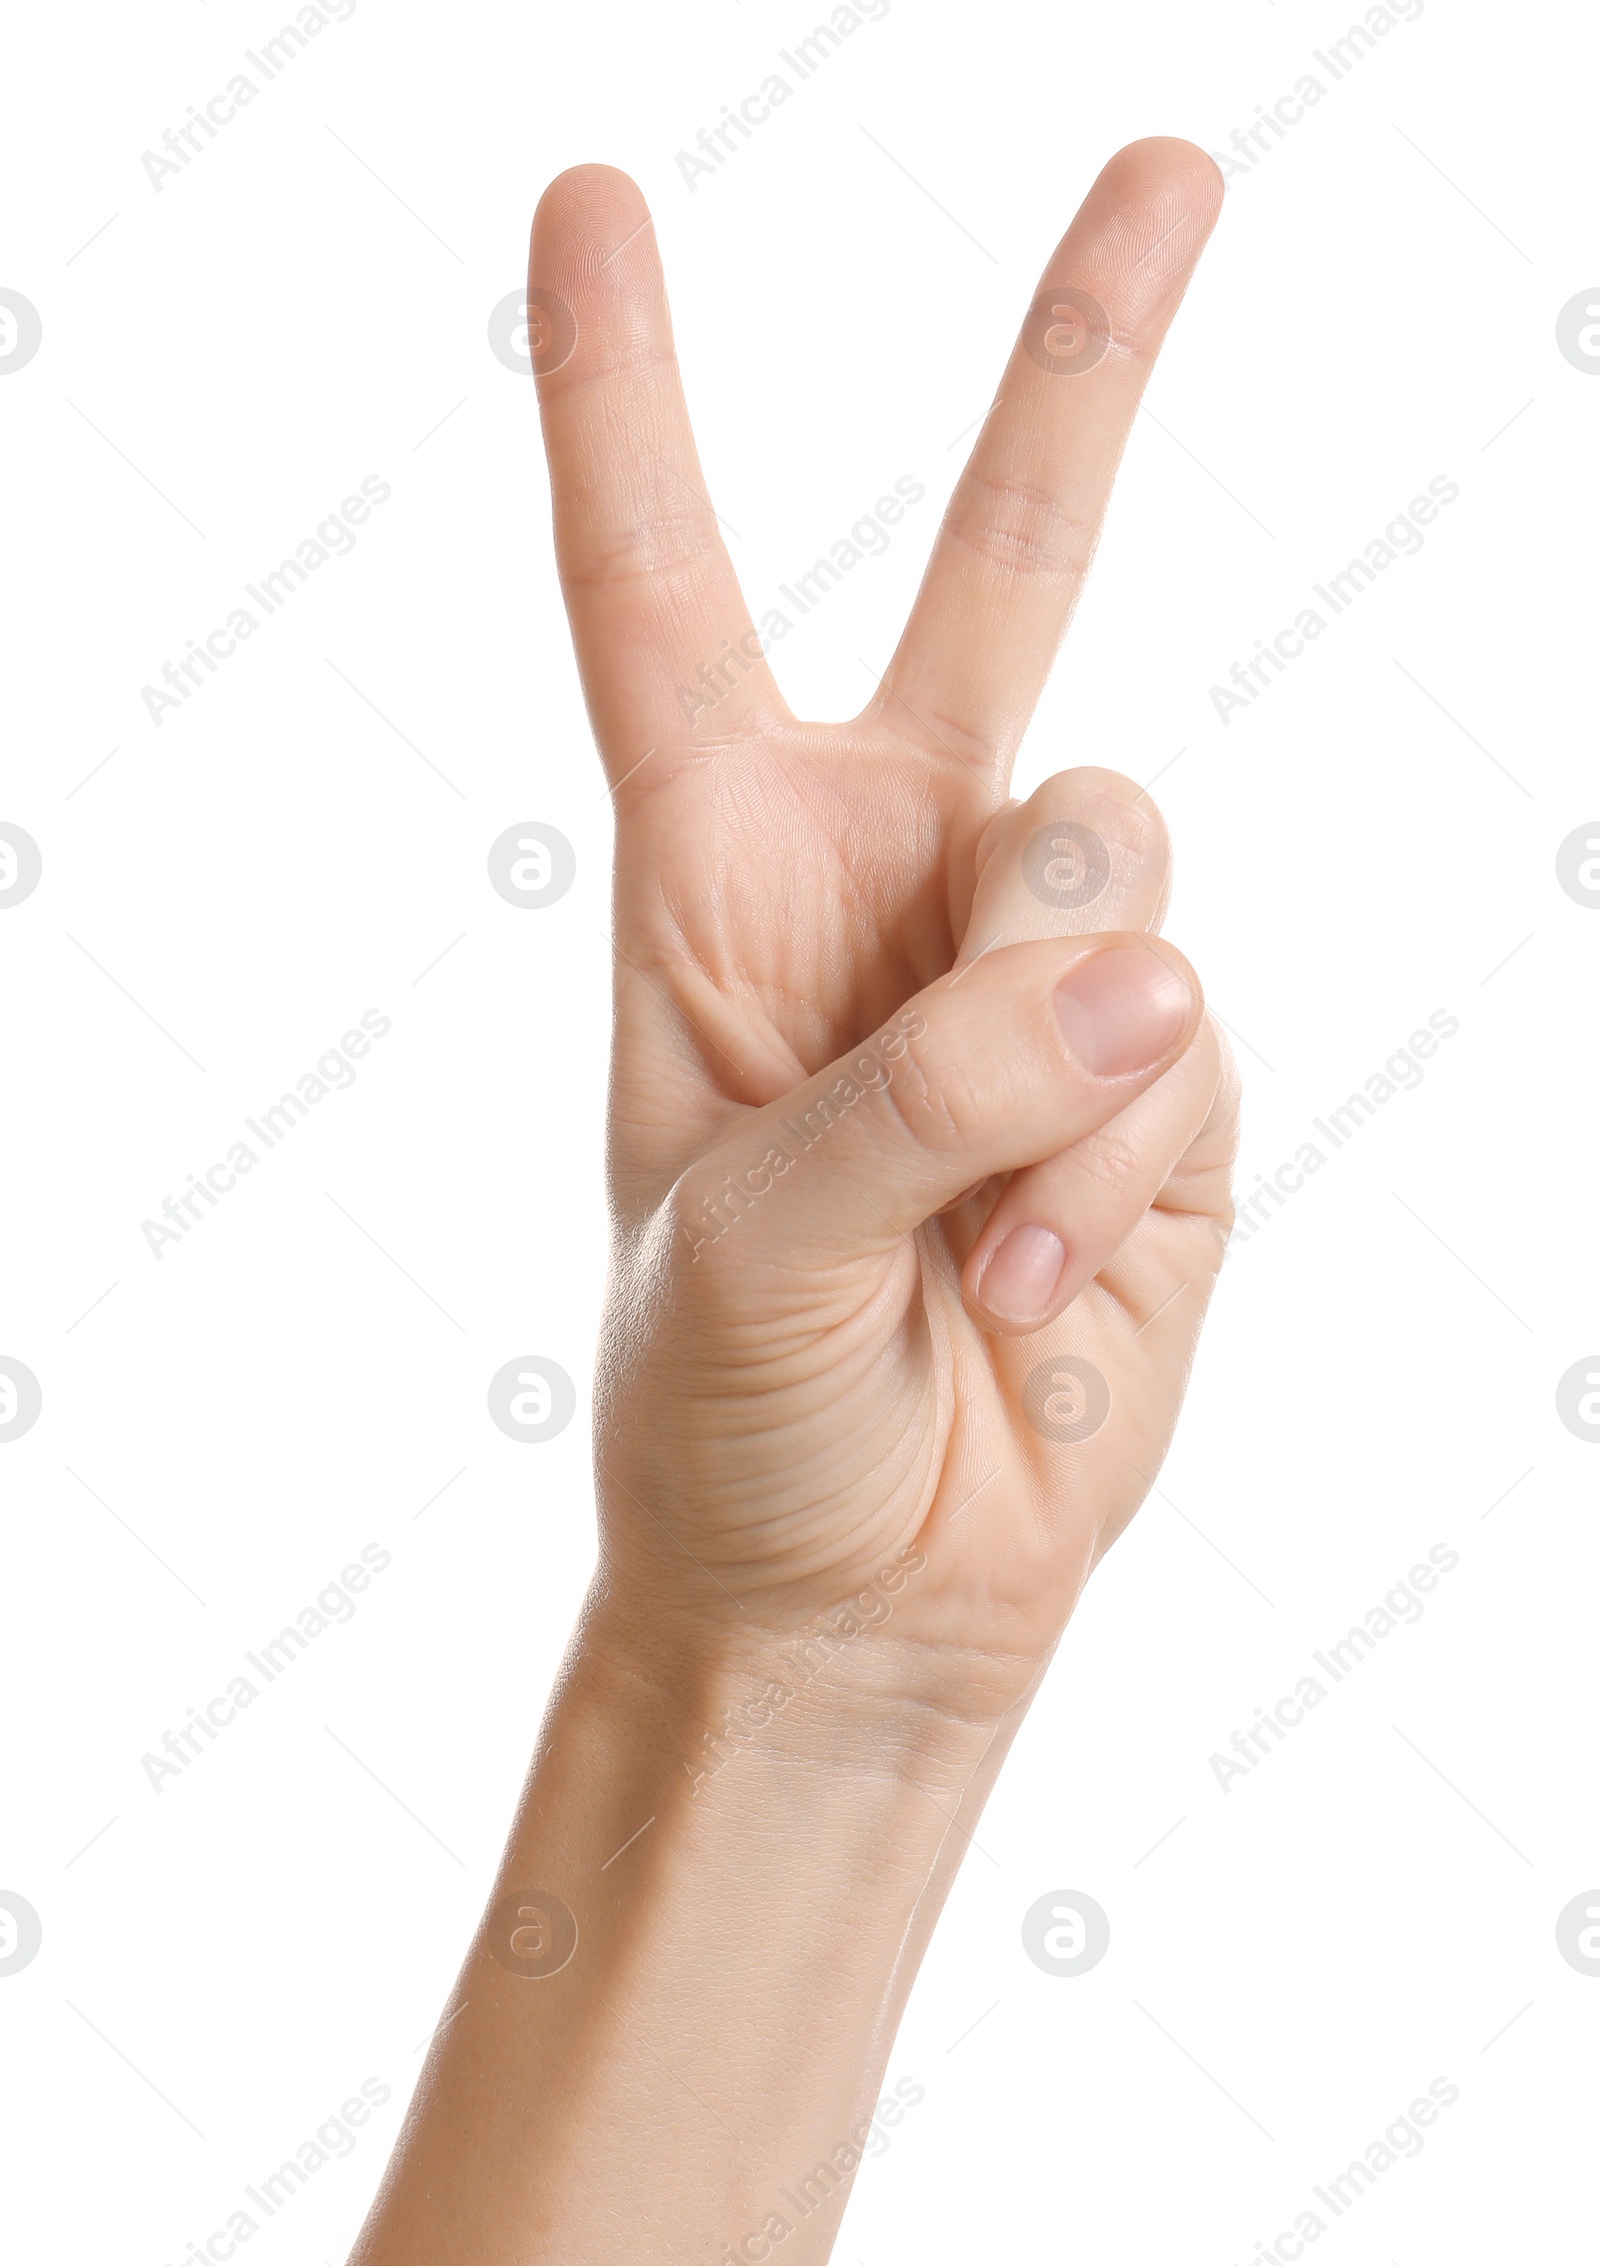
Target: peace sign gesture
[919,1134]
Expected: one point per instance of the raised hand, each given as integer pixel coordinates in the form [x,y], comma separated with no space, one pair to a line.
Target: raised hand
[920,1136]
[919,1155]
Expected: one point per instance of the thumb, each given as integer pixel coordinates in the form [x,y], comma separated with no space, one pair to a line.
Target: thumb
[1001,1064]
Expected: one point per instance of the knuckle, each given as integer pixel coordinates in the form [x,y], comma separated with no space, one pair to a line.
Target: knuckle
[1131,348]
[1109,1158]
[644,549]
[1118,810]
[597,368]
[1023,529]
[934,1102]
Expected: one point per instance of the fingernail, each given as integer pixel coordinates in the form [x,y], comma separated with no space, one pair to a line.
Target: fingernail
[1020,1279]
[1120,1010]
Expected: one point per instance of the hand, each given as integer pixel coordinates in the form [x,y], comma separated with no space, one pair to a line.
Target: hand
[920,1137]
[880,1037]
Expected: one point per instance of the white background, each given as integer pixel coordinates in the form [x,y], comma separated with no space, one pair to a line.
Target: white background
[305,304]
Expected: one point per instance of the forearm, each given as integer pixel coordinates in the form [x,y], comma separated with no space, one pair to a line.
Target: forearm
[749,1916]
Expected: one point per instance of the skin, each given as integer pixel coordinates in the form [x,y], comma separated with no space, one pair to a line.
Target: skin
[820,1463]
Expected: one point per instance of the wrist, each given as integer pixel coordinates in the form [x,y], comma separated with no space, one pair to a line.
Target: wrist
[844,1688]
[746,1890]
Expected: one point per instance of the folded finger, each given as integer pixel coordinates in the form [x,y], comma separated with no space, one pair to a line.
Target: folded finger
[1061,1223]
[1088,851]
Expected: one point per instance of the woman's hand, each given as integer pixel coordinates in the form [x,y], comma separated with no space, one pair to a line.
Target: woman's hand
[919,1136]
[919,1157]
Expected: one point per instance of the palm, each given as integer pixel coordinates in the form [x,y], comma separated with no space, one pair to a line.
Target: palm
[782,890]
